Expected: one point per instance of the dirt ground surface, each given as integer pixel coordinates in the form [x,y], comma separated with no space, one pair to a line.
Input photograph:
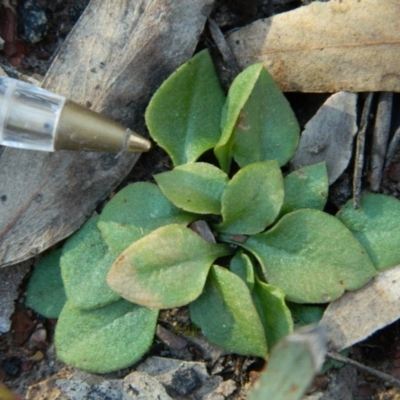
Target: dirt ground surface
[27,354]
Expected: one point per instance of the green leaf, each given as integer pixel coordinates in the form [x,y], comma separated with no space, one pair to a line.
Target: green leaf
[305,314]
[227,316]
[134,212]
[292,366]
[252,199]
[45,292]
[376,224]
[306,187]
[85,262]
[194,187]
[105,339]
[242,266]
[167,268]
[267,128]
[311,256]
[184,114]
[238,95]
[275,315]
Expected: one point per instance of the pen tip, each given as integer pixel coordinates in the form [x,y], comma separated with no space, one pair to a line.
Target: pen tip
[137,143]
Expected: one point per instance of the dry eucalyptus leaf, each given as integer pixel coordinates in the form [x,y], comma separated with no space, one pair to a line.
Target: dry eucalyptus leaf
[328,136]
[114,59]
[357,315]
[327,47]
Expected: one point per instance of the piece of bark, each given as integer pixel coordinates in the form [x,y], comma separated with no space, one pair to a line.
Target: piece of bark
[113,61]
[357,315]
[327,47]
[328,136]
[10,281]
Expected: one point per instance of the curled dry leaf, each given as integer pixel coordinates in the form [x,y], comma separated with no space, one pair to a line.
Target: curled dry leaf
[327,47]
[328,136]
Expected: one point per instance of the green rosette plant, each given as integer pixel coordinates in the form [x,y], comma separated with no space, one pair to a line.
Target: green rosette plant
[274,254]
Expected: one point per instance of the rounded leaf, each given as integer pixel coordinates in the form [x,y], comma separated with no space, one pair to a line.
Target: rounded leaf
[184,114]
[165,269]
[306,187]
[311,256]
[267,128]
[45,292]
[85,262]
[274,313]
[238,94]
[105,339]
[194,187]
[376,224]
[227,316]
[134,212]
[242,266]
[252,199]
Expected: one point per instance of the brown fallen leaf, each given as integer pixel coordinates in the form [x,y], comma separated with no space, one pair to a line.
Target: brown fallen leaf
[328,136]
[349,45]
[357,315]
[114,59]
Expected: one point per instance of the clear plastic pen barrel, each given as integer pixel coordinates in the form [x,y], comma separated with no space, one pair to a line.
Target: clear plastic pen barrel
[28,115]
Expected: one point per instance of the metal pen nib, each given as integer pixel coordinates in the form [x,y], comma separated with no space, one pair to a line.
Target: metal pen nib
[37,119]
[79,128]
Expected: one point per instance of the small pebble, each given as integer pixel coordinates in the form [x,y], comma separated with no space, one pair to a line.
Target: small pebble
[38,356]
[34,21]
[185,382]
[170,339]
[38,338]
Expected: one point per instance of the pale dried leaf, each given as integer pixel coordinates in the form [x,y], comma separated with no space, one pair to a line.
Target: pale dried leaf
[327,47]
[114,59]
[357,315]
[328,136]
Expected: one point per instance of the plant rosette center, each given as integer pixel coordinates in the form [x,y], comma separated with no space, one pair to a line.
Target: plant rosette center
[271,257]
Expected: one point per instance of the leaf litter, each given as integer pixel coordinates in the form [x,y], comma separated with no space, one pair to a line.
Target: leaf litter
[326,46]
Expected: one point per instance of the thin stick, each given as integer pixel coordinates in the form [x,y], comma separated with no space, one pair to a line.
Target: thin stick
[360,149]
[231,66]
[361,367]
[380,138]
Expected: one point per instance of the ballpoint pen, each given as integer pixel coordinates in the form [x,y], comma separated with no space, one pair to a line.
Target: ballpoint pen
[37,119]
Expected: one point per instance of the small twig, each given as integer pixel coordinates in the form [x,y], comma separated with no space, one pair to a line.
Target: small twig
[361,367]
[232,66]
[360,148]
[380,138]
